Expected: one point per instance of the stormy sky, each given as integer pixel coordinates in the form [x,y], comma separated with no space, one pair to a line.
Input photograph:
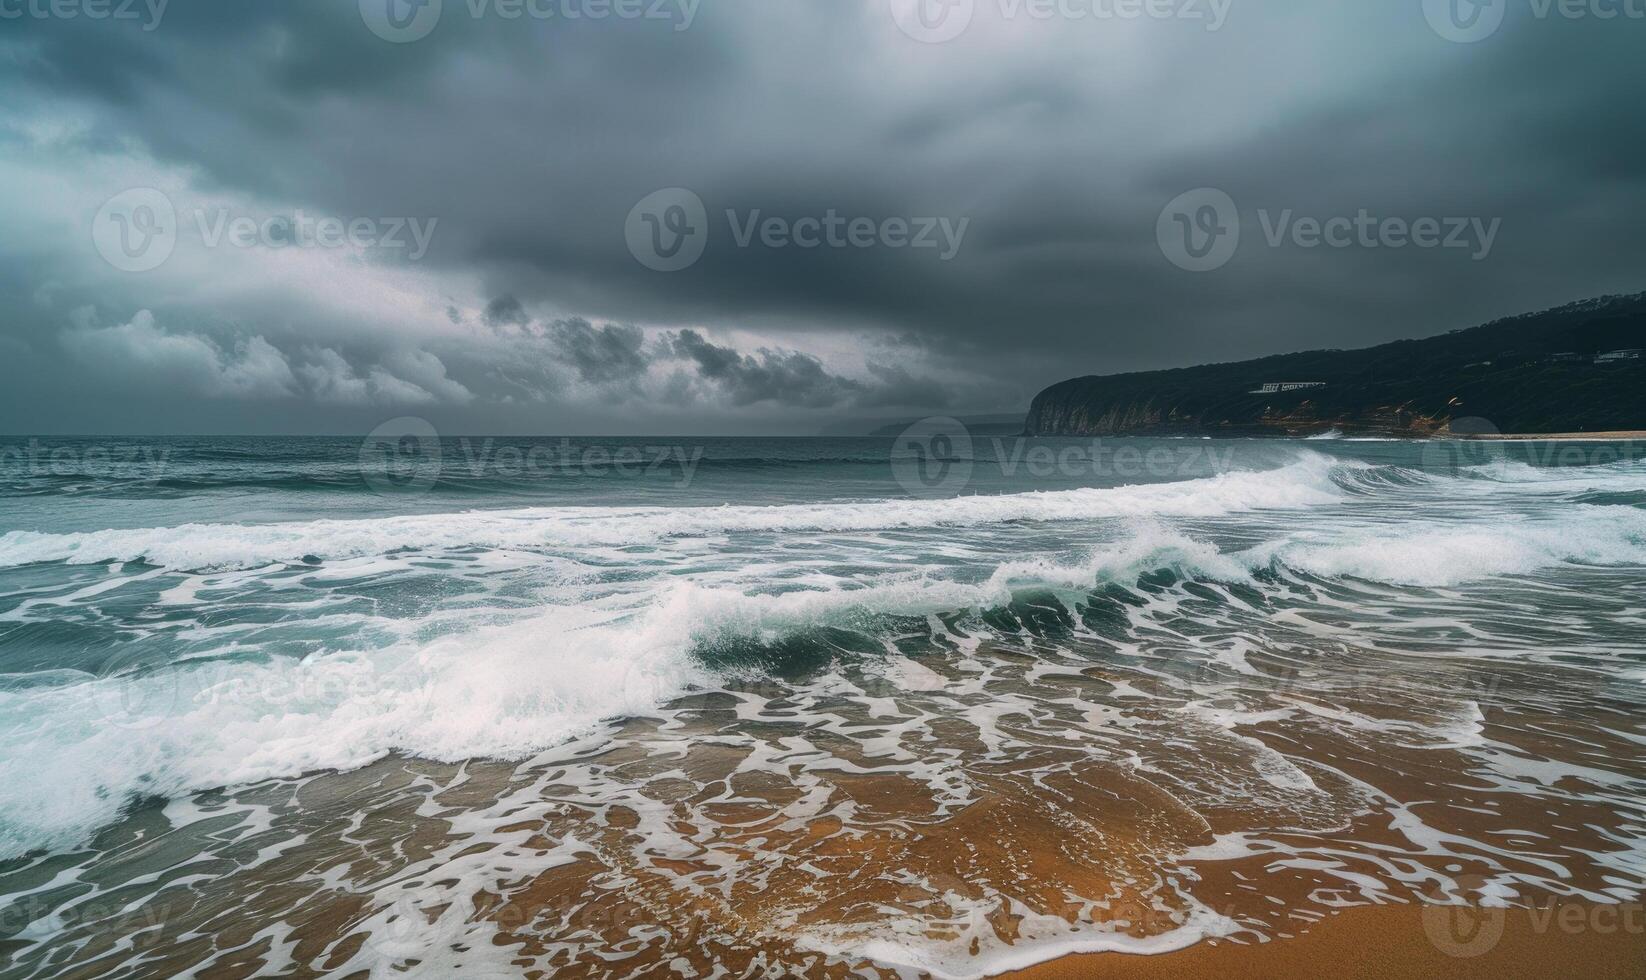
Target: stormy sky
[753,216]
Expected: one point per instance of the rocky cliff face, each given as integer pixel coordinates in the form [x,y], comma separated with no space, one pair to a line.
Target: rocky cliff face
[1076,412]
[1536,373]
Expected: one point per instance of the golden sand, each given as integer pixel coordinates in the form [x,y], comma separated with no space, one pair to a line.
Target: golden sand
[1390,942]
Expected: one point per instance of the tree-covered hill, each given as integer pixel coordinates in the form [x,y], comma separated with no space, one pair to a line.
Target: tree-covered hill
[1532,373]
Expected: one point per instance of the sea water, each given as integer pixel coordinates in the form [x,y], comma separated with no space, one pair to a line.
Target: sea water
[827,706]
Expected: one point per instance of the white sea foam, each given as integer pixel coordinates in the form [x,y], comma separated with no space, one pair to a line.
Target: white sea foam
[1307,483]
[78,750]
[1429,553]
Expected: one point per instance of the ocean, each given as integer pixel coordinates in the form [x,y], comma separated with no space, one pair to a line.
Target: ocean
[834,707]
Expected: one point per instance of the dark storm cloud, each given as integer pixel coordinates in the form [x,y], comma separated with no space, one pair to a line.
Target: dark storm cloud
[600,354]
[784,377]
[505,311]
[1060,141]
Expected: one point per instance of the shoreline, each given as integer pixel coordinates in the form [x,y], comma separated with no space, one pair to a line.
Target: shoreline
[1373,435]
[1400,941]
[1622,435]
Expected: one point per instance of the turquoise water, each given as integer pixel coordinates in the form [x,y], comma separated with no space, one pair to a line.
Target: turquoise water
[192,627]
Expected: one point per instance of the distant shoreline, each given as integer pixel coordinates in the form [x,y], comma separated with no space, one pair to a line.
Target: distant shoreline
[1625,434]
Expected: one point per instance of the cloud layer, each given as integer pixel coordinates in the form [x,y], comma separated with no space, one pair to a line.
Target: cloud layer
[1058,140]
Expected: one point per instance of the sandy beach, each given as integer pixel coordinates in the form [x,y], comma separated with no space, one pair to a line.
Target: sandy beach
[1625,434]
[1389,942]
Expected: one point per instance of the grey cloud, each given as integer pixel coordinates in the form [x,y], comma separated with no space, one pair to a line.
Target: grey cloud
[600,355]
[1059,140]
[505,311]
[141,353]
[407,377]
[784,377]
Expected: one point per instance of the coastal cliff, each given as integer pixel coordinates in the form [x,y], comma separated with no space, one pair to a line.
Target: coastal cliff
[1572,369]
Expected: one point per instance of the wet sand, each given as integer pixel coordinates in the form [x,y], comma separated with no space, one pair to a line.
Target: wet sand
[1395,942]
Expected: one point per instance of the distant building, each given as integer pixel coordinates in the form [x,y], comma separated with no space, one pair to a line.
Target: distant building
[1618,356]
[1275,387]
[1566,357]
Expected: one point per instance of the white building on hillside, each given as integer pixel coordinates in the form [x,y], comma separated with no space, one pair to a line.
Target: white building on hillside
[1274,387]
